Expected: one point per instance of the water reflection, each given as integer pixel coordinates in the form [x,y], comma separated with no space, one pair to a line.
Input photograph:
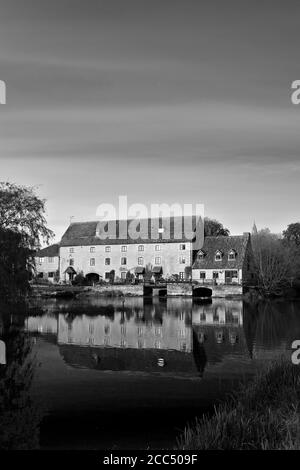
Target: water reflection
[176,336]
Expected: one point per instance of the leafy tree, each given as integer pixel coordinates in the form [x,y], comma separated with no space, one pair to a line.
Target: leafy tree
[14,273]
[23,212]
[292,234]
[22,228]
[214,228]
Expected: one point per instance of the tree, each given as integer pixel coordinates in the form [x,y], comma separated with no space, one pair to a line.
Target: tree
[214,228]
[273,260]
[292,234]
[22,228]
[14,274]
[22,211]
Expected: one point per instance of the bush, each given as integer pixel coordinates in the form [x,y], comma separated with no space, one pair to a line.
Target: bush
[262,415]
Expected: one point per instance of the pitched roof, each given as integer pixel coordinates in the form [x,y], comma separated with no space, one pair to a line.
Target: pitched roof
[94,232]
[50,251]
[223,244]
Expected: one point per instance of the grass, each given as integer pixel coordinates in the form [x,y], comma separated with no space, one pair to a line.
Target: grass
[263,415]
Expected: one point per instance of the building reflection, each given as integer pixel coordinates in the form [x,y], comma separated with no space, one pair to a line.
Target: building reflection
[178,336]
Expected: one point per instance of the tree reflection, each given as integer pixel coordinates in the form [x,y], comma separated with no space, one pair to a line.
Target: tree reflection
[20,416]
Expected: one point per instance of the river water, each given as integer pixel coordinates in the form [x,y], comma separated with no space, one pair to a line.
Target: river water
[130,374]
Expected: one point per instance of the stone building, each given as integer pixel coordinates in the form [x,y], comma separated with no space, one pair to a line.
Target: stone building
[156,252]
[47,263]
[225,260]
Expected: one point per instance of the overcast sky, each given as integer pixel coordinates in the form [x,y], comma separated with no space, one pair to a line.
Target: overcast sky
[161,100]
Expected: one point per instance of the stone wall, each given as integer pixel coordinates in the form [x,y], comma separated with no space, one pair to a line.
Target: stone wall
[226,290]
[119,290]
[182,288]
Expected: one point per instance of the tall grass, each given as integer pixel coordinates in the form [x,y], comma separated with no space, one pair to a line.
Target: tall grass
[263,415]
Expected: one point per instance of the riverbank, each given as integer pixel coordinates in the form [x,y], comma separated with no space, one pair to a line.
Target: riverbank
[263,415]
[130,290]
[170,290]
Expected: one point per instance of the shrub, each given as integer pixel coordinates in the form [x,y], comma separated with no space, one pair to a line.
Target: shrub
[263,415]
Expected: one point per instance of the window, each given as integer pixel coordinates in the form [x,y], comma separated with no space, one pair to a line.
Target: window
[182,246]
[107,275]
[141,248]
[181,276]
[140,331]
[50,259]
[123,248]
[215,275]
[202,275]
[92,262]
[157,344]
[123,275]
[71,262]
[92,249]
[71,250]
[140,261]
[157,247]
[123,261]
[40,260]
[51,274]
[107,261]
[231,255]
[218,256]
[157,260]
[107,249]
[200,255]
[182,259]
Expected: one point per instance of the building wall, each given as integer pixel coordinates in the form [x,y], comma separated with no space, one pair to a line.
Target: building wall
[45,267]
[209,276]
[169,254]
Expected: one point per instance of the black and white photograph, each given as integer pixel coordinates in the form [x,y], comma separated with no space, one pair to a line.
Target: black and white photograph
[149,230]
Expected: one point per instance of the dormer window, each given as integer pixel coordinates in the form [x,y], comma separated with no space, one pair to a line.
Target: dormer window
[218,255]
[232,255]
[201,254]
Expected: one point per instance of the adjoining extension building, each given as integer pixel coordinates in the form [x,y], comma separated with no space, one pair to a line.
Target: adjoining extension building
[157,251]
[225,260]
[47,263]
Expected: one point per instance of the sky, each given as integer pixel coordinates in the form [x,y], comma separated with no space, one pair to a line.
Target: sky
[164,101]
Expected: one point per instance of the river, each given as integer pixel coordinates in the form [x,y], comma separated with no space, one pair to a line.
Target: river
[130,374]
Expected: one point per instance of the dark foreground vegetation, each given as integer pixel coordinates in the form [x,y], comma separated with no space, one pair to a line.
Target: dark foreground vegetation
[20,415]
[263,415]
